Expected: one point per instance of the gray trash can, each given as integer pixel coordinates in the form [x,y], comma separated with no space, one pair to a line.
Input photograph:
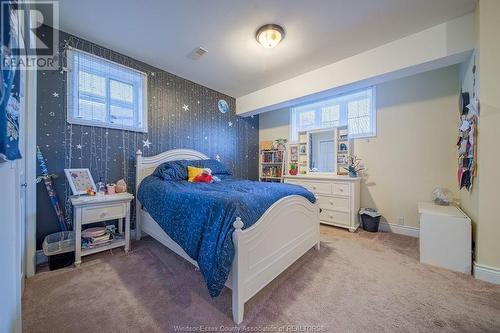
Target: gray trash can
[370,218]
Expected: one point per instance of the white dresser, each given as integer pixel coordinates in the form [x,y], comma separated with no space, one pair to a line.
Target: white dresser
[337,196]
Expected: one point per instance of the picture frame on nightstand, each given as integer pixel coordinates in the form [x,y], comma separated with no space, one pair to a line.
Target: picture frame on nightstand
[79,180]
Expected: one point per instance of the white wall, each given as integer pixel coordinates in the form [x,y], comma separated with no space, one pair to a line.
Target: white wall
[414,150]
[488,224]
[10,309]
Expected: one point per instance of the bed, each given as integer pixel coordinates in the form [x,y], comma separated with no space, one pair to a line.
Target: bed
[281,235]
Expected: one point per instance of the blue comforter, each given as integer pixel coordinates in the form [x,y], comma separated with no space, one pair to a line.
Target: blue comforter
[199,216]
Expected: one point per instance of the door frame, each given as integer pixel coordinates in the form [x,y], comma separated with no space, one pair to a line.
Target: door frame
[30,172]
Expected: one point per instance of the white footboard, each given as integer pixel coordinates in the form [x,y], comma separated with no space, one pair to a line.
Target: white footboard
[288,229]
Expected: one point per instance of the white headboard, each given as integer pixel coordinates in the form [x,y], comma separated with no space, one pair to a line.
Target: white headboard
[147,165]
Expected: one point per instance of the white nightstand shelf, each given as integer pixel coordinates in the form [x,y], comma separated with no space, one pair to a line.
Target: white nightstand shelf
[98,209]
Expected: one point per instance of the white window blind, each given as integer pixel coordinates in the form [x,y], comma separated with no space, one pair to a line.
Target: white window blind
[105,94]
[357,110]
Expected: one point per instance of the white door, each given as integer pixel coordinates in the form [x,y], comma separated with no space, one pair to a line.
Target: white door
[21,185]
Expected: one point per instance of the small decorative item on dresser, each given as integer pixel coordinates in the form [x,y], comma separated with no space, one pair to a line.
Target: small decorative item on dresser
[121,186]
[293,169]
[294,153]
[111,188]
[353,165]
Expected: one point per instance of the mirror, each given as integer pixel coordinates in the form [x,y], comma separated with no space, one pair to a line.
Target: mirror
[322,151]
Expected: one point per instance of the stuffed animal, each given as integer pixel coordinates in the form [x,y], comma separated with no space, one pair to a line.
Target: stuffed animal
[204,177]
[121,186]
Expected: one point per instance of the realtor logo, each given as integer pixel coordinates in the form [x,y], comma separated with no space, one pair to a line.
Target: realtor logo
[28,40]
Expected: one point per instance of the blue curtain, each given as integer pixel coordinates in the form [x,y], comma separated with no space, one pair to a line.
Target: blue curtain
[10,80]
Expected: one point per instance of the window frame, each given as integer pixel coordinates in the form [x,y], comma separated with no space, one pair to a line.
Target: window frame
[343,119]
[139,84]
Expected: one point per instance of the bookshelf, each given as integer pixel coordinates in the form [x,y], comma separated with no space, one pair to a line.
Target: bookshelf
[272,165]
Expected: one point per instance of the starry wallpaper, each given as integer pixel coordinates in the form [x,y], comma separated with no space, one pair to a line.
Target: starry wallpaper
[181,114]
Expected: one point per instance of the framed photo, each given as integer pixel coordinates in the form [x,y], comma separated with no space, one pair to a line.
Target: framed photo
[303,149]
[79,180]
[294,153]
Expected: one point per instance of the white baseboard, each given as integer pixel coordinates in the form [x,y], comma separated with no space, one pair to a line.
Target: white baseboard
[41,258]
[399,229]
[487,273]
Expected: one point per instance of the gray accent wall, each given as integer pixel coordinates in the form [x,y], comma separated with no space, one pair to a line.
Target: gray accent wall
[110,153]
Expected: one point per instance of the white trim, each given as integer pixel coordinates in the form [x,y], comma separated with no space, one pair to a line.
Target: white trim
[139,106]
[31,171]
[486,273]
[74,49]
[399,229]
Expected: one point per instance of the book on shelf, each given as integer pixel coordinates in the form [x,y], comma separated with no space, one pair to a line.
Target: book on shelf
[272,156]
[92,242]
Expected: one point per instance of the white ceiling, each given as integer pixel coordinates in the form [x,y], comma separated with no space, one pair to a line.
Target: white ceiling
[319,32]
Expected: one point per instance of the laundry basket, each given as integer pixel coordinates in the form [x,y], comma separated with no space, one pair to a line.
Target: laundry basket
[59,247]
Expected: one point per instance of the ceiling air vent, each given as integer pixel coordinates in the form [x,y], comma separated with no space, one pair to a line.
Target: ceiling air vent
[197,53]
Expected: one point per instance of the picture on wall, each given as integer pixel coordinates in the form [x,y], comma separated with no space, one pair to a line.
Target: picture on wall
[80,180]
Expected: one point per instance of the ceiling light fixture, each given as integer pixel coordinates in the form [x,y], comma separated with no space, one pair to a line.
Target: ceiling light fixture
[270,35]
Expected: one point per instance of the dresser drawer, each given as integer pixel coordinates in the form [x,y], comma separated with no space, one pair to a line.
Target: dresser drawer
[317,187]
[334,203]
[329,216]
[109,212]
[341,188]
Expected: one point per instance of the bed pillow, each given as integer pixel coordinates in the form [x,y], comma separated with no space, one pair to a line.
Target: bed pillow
[193,172]
[172,170]
[214,165]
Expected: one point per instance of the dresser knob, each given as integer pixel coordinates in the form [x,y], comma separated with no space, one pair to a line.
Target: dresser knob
[341,190]
[103,214]
[331,202]
[314,187]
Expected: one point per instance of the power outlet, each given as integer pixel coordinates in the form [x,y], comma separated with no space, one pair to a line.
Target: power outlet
[401,220]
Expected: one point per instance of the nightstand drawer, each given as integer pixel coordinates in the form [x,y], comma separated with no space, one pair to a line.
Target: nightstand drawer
[333,203]
[109,212]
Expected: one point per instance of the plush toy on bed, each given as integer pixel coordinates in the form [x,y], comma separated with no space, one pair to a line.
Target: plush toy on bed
[204,177]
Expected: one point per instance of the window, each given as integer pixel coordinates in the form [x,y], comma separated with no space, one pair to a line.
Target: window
[356,110]
[105,94]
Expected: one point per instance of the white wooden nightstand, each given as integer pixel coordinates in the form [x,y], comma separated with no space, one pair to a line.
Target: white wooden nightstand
[97,209]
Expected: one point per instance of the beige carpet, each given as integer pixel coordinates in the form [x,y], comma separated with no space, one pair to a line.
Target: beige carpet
[358,282]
